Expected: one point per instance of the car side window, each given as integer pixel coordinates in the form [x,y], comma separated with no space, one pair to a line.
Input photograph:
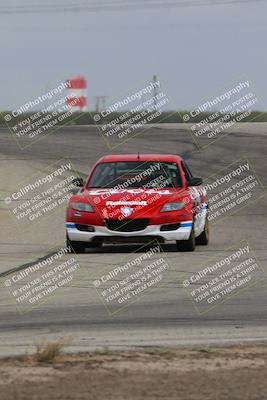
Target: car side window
[187,172]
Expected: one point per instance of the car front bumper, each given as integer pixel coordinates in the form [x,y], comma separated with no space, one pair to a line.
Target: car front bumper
[102,233]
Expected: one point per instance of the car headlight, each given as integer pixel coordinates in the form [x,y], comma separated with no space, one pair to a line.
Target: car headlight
[82,207]
[173,206]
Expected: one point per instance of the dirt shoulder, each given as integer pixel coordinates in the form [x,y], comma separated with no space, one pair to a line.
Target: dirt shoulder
[237,372]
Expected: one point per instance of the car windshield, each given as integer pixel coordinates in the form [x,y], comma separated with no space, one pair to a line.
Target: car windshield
[135,174]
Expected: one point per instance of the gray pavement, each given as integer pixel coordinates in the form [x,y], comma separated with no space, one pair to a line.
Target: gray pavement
[165,316]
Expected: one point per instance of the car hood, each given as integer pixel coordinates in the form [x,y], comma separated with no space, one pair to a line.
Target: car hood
[130,203]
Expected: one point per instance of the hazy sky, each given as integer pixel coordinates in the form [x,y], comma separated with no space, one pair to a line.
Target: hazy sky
[196,51]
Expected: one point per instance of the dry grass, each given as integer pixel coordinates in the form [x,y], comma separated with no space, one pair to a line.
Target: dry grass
[46,352]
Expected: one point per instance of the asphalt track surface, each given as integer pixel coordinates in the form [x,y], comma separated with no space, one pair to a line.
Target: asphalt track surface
[163,317]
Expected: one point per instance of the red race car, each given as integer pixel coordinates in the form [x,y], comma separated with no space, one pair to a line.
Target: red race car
[136,198]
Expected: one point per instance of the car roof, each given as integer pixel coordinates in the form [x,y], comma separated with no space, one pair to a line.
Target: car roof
[140,157]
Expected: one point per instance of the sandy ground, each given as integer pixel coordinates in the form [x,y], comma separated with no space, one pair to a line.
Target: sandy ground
[238,372]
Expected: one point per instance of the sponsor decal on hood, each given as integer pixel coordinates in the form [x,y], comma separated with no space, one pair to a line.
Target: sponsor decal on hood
[126,203]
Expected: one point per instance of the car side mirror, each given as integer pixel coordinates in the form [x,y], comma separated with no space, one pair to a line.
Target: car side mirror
[79,182]
[194,181]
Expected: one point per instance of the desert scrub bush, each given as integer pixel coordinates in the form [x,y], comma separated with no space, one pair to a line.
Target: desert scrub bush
[46,352]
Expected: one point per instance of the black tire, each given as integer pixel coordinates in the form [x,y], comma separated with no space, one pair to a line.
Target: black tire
[79,247]
[187,245]
[203,238]
[76,247]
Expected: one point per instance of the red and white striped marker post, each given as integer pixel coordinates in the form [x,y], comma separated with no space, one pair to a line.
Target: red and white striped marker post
[77,87]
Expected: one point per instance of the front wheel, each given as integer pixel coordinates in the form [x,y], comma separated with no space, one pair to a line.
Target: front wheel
[203,238]
[79,247]
[76,247]
[187,245]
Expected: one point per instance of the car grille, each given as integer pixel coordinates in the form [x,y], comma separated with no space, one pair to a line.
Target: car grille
[127,240]
[127,225]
